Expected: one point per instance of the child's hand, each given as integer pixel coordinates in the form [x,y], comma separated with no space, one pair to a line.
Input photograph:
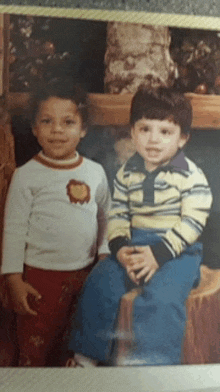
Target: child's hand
[127,256]
[124,255]
[143,265]
[19,291]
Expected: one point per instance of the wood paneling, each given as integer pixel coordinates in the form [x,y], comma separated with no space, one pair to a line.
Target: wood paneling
[114,108]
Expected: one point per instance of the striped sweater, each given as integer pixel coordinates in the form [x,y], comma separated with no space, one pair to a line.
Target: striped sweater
[173,201]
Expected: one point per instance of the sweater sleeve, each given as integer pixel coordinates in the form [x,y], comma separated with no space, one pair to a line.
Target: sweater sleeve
[17,211]
[104,201]
[119,233]
[196,201]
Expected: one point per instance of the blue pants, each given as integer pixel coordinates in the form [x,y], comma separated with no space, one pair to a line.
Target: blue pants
[158,313]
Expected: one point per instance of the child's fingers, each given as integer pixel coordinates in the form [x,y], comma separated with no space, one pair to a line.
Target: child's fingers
[130,250]
[124,254]
[127,250]
[128,254]
[143,250]
[143,272]
[149,276]
[138,265]
[139,249]
[33,291]
[23,308]
[136,259]
[132,276]
[28,310]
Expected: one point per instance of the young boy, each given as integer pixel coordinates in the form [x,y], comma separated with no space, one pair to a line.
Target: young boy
[55,223]
[160,206]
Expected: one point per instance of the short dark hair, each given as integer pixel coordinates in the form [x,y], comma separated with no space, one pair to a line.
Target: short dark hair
[162,103]
[60,88]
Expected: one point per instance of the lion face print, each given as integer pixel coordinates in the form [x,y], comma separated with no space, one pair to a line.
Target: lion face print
[78,192]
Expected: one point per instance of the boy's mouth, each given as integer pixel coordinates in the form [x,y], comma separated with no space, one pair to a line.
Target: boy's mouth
[56,141]
[153,152]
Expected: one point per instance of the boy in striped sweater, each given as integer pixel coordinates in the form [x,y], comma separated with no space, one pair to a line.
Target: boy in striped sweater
[160,205]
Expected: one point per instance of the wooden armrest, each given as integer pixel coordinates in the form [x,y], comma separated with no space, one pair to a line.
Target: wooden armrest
[209,283]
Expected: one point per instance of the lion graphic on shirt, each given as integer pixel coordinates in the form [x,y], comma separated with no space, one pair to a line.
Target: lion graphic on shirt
[78,192]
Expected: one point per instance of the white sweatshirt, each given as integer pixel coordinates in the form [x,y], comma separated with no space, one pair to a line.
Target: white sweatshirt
[56,215]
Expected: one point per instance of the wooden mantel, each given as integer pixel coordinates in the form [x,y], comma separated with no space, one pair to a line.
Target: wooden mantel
[114,108]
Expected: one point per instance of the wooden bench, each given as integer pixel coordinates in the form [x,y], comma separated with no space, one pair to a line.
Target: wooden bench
[202,335]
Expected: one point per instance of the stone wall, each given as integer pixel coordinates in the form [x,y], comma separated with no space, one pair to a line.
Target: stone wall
[137,54]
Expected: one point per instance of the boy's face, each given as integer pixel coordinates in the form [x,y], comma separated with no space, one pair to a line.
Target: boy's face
[157,141]
[58,128]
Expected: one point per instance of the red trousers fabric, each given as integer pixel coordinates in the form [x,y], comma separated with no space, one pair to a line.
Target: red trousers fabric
[41,337]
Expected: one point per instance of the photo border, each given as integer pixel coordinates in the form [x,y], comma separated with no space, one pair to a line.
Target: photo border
[170,378]
[152,18]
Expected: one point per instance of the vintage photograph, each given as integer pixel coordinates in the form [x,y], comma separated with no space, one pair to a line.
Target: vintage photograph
[109,188]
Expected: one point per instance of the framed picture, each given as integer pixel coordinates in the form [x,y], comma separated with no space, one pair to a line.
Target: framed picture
[112,53]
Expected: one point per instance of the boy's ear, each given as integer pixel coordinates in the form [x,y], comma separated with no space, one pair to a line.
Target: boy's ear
[83,133]
[34,131]
[183,140]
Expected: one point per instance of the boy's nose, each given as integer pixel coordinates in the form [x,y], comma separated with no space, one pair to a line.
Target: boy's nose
[57,128]
[153,136]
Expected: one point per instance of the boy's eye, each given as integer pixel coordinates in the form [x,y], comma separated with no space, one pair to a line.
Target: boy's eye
[45,120]
[69,122]
[144,129]
[165,132]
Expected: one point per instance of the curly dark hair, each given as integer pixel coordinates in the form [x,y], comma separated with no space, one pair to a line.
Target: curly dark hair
[162,103]
[60,88]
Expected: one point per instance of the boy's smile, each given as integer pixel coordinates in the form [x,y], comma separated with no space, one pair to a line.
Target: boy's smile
[58,128]
[157,141]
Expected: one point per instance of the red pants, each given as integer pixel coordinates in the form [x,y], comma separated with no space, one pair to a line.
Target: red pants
[40,338]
